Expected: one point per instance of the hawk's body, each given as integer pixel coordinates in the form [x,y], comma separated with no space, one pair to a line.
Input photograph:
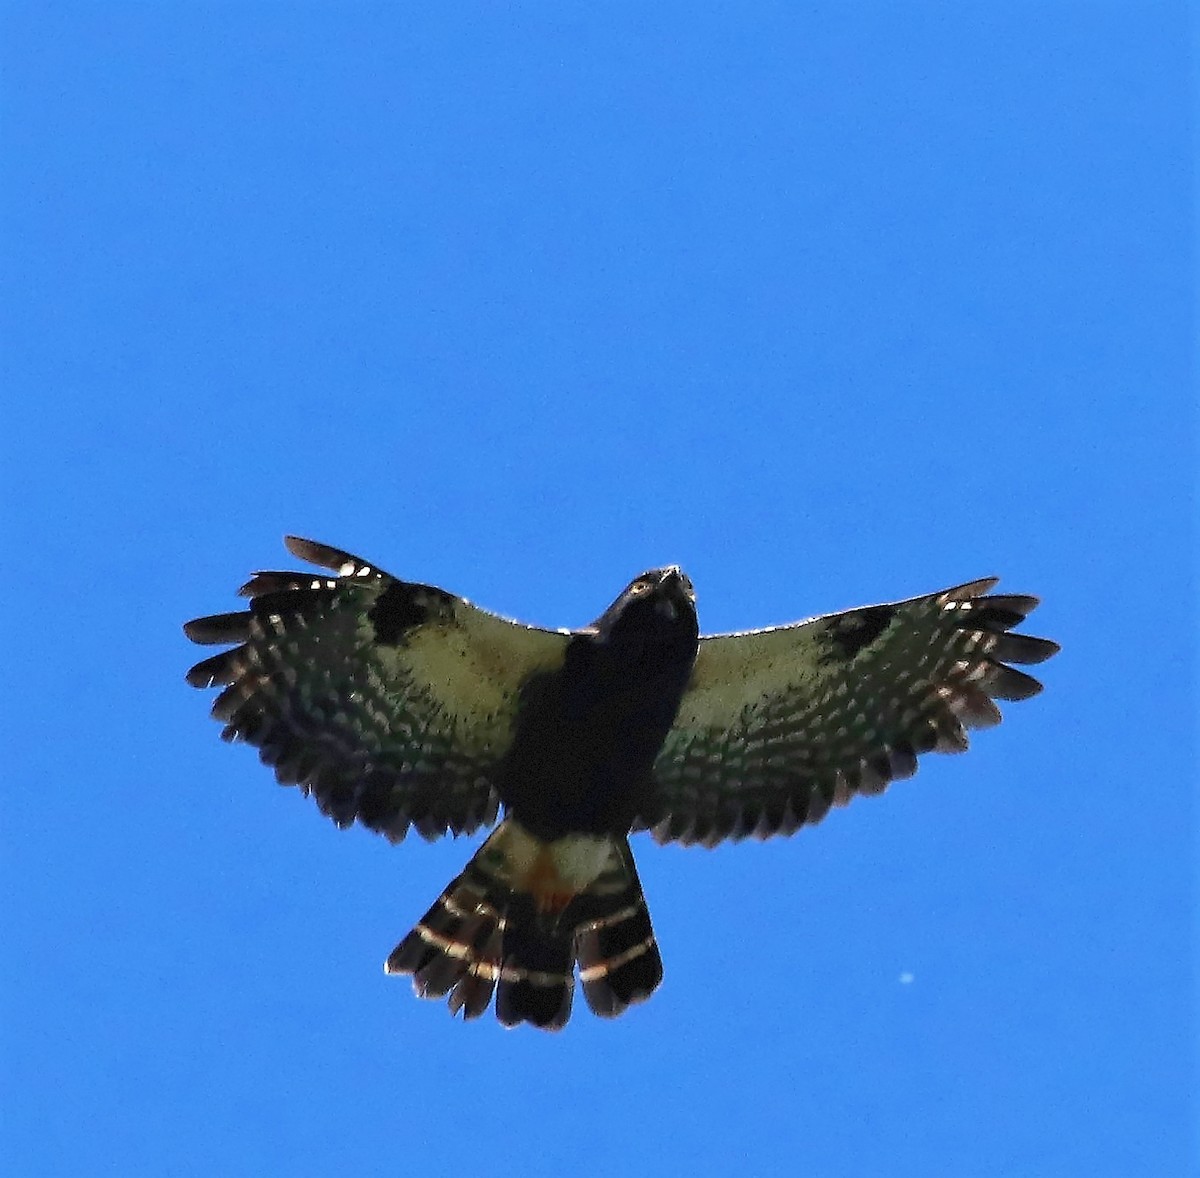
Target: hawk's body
[587,732]
[397,704]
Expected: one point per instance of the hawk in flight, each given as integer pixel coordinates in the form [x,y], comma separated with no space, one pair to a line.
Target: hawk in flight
[397,705]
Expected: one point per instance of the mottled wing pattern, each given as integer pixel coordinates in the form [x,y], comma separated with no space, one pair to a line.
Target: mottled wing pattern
[389,702]
[778,725]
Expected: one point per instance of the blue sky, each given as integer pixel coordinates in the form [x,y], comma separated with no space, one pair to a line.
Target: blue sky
[831,303]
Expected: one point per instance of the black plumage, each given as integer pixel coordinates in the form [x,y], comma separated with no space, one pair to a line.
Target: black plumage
[400,705]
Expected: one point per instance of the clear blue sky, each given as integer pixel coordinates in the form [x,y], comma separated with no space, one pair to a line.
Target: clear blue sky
[832,303]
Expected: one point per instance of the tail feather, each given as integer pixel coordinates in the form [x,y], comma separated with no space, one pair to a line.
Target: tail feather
[619,961]
[455,947]
[473,992]
[517,919]
[537,979]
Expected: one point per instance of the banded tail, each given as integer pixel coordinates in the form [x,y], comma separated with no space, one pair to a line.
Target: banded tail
[517,920]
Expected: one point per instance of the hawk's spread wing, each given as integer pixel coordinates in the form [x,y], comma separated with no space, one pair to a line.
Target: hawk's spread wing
[778,725]
[389,702]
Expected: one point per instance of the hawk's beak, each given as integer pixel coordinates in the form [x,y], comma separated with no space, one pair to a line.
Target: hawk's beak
[674,578]
[672,586]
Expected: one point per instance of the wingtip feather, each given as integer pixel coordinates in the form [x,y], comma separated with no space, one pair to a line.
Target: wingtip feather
[218,628]
[220,669]
[1024,648]
[1007,683]
[317,553]
[970,589]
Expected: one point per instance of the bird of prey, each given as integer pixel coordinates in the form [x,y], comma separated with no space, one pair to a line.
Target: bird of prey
[397,704]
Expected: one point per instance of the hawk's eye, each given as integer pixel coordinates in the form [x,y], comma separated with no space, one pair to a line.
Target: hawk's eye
[639,587]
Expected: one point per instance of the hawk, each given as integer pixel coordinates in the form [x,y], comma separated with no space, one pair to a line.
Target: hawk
[400,705]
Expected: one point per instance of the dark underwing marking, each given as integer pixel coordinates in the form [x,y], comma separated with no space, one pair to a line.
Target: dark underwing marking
[849,633]
[402,607]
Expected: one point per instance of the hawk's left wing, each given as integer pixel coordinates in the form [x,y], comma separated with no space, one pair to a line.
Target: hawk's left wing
[778,725]
[391,703]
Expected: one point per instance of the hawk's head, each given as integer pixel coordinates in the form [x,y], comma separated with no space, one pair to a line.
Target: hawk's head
[659,605]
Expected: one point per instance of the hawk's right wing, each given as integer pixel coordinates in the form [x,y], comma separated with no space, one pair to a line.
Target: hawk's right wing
[778,725]
[391,703]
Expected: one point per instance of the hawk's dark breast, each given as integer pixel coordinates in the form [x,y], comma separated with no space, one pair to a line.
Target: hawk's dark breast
[587,734]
